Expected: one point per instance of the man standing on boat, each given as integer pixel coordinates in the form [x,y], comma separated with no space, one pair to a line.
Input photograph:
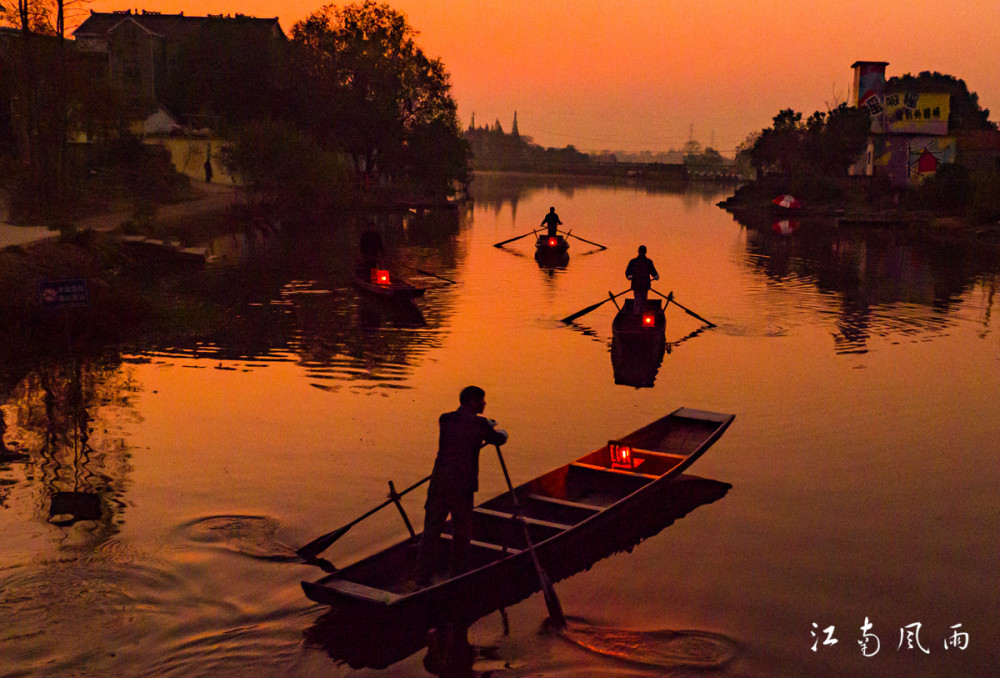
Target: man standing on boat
[550,221]
[371,247]
[641,272]
[455,479]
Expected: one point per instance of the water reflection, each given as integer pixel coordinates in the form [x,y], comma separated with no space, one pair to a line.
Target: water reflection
[885,281]
[286,296]
[60,424]
[363,641]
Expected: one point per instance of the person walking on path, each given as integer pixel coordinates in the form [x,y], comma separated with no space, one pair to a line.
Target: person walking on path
[454,481]
[208,164]
[550,221]
[641,272]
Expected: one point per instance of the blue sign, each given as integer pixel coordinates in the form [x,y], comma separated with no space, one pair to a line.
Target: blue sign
[62,293]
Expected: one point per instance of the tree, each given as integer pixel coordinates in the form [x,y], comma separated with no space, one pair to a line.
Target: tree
[279,167]
[214,64]
[826,144]
[370,89]
[777,147]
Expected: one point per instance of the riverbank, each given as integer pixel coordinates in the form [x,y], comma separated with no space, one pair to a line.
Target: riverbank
[856,202]
[209,199]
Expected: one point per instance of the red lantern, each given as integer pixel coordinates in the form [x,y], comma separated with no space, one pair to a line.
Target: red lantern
[648,320]
[552,242]
[621,456]
[380,277]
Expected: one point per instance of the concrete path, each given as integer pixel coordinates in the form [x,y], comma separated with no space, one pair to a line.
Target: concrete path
[212,198]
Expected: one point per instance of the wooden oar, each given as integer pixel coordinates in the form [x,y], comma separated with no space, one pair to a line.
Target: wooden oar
[320,544]
[670,299]
[551,601]
[585,311]
[501,244]
[587,241]
[433,275]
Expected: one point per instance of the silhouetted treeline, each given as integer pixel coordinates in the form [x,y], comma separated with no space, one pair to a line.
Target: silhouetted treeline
[350,86]
[494,149]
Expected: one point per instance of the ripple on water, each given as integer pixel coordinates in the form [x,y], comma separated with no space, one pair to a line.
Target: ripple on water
[661,648]
[253,536]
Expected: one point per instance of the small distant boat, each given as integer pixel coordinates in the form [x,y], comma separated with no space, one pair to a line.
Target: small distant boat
[787,202]
[551,247]
[567,511]
[383,283]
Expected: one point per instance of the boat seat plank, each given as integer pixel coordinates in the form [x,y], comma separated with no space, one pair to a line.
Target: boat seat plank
[615,471]
[565,502]
[653,453]
[489,546]
[356,590]
[531,521]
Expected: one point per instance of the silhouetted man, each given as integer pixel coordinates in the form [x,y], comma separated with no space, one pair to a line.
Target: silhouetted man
[551,220]
[454,481]
[371,247]
[641,272]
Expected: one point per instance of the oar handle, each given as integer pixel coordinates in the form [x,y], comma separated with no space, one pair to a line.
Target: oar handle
[595,244]
[670,298]
[551,600]
[316,546]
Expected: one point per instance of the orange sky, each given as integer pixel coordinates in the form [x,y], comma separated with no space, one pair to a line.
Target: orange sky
[645,74]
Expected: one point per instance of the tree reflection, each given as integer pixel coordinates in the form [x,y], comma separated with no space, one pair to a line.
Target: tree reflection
[878,275]
[52,415]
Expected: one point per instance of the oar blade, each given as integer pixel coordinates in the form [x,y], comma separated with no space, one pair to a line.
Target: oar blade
[320,544]
[589,242]
[556,616]
[571,318]
[501,244]
[695,315]
[432,275]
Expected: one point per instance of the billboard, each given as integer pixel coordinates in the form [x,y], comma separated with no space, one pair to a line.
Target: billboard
[916,113]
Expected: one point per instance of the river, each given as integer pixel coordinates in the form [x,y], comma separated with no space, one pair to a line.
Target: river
[149,528]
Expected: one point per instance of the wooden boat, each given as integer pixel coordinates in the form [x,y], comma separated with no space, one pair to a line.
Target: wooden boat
[567,511]
[551,248]
[359,639]
[383,283]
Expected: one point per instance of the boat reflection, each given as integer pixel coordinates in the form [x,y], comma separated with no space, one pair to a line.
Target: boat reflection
[363,641]
[636,362]
[374,313]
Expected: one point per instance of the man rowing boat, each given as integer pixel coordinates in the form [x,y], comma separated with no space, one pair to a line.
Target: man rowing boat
[641,272]
[455,479]
[550,221]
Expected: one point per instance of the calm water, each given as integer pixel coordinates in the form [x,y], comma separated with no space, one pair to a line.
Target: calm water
[863,370]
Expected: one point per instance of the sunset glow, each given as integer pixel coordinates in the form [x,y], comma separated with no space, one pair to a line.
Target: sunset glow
[645,75]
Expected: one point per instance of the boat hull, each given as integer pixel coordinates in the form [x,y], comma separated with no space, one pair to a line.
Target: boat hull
[629,325]
[552,248]
[567,511]
[396,288]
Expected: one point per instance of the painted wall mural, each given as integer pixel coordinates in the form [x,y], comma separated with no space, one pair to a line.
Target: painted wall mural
[917,113]
[911,159]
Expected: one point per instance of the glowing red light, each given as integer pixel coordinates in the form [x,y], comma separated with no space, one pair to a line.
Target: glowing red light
[552,242]
[621,456]
[648,320]
[380,277]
